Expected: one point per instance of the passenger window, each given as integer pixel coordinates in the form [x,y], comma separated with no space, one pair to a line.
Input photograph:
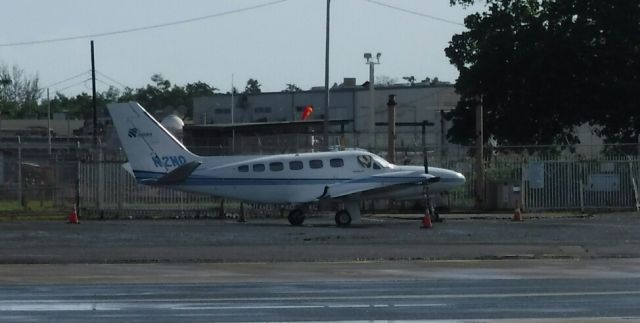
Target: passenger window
[276,167]
[243,168]
[316,163]
[258,167]
[376,166]
[336,162]
[295,165]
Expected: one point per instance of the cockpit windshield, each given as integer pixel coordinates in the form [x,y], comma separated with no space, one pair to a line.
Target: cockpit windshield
[383,163]
[372,161]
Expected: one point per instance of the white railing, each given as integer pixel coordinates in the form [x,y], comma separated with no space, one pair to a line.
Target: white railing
[580,184]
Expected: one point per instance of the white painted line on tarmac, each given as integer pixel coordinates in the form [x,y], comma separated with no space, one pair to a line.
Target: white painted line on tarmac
[115,305]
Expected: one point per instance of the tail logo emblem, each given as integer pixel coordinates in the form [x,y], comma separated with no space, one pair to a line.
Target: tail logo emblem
[133,132]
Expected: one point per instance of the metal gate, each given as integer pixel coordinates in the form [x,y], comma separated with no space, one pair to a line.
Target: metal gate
[580,184]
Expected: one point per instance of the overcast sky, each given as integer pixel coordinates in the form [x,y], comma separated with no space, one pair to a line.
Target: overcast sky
[278,42]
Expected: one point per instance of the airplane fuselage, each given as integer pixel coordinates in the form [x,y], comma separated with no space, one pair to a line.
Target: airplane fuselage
[303,178]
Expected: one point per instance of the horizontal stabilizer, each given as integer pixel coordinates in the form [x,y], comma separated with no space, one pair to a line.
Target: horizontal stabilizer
[129,169]
[175,176]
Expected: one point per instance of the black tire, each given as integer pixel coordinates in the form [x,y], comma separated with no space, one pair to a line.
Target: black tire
[296,217]
[343,218]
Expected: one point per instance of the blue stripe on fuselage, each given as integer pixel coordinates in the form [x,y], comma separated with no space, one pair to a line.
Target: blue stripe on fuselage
[198,180]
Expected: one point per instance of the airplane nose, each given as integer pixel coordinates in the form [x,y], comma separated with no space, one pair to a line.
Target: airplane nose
[461,178]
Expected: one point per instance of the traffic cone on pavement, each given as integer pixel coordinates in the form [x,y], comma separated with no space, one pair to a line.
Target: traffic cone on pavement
[517,214]
[426,219]
[73,217]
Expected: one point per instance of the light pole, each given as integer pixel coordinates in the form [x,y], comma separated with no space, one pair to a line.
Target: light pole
[325,123]
[372,110]
[233,126]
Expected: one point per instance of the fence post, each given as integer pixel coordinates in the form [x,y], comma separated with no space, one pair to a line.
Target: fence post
[480,185]
[20,193]
[100,189]
[523,195]
[77,199]
[581,194]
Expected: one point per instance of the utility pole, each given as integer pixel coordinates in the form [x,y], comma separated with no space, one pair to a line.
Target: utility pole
[93,85]
[49,120]
[325,136]
[233,126]
[391,134]
[372,109]
[480,196]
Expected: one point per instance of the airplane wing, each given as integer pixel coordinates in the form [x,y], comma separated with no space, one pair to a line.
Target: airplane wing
[376,182]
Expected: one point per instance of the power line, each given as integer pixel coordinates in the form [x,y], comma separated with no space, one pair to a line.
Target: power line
[103,82]
[130,30]
[416,13]
[73,85]
[112,80]
[65,80]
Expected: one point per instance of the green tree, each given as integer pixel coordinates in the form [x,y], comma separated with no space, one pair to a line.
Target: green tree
[292,88]
[162,95]
[544,66]
[384,80]
[77,107]
[19,93]
[253,86]
[200,89]
[159,96]
[411,79]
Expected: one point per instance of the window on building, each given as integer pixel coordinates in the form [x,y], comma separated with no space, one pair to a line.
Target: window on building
[295,165]
[315,163]
[262,110]
[243,168]
[336,162]
[258,167]
[276,167]
[222,111]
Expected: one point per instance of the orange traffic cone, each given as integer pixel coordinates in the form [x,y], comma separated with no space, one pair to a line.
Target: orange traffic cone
[517,215]
[426,219]
[73,217]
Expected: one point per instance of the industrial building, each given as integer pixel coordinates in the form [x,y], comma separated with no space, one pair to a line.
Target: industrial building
[349,113]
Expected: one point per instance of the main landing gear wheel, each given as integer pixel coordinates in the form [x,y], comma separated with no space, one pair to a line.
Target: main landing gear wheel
[296,217]
[343,218]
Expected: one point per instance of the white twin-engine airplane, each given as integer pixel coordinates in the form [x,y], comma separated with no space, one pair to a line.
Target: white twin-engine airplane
[156,157]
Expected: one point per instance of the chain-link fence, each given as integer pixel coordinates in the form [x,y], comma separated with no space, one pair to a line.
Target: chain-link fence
[34,180]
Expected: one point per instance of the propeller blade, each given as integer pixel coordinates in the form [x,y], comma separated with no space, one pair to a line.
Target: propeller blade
[426,161]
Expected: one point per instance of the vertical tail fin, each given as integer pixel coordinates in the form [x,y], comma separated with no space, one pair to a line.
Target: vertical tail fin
[151,149]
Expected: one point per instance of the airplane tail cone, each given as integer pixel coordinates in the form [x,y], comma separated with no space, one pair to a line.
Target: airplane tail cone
[73,217]
[426,220]
[517,214]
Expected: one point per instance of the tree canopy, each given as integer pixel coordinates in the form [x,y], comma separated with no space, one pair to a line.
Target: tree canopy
[20,96]
[543,67]
[253,87]
[19,93]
